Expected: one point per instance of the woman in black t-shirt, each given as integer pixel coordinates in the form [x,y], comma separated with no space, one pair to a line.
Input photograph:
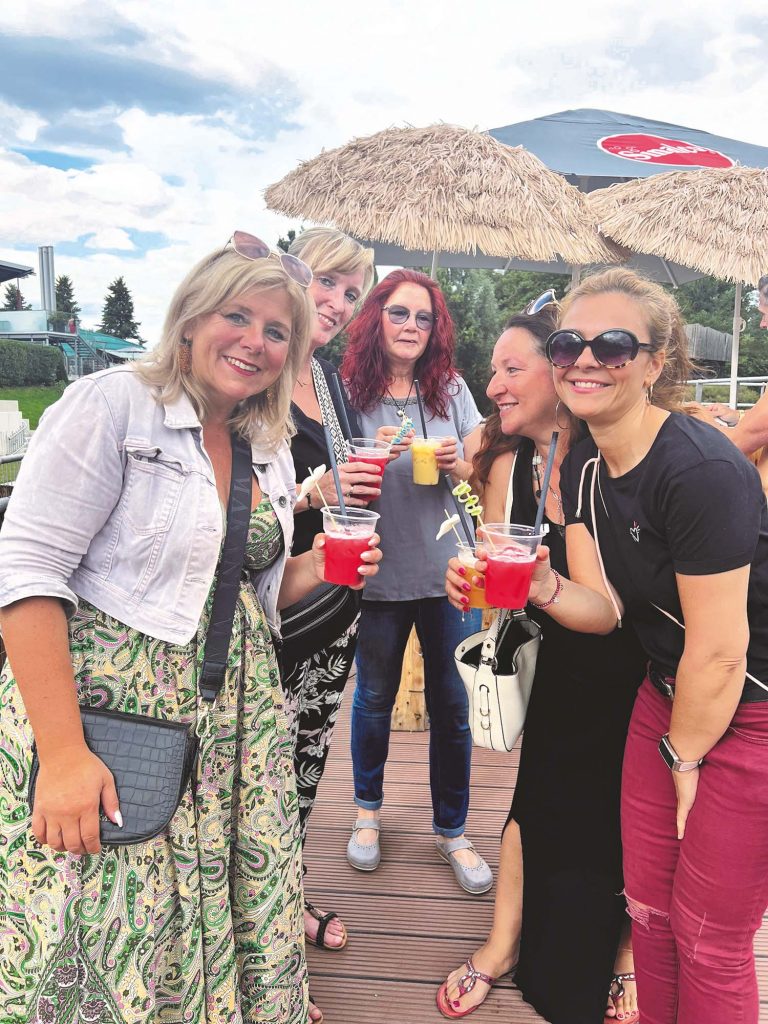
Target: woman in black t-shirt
[559,918]
[666,509]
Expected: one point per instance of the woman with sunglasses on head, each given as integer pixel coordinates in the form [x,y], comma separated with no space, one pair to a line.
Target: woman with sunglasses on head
[559,916]
[404,333]
[314,678]
[666,519]
[110,554]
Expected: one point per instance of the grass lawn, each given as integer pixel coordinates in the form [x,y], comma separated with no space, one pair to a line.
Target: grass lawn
[33,401]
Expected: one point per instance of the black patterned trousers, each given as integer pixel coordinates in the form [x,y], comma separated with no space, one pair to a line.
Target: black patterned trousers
[314,689]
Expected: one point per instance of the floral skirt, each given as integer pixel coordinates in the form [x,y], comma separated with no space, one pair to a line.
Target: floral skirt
[202,924]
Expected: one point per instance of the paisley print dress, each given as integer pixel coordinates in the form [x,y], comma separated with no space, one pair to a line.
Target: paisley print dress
[204,923]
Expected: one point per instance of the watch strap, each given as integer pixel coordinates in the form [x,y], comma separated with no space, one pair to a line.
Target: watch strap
[673,762]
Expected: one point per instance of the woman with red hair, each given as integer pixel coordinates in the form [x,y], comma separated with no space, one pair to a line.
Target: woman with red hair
[404,333]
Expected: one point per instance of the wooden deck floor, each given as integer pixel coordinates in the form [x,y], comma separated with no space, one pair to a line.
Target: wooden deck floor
[409,922]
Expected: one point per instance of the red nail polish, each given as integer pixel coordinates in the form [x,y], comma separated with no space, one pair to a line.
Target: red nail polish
[462,571]
[466,586]
[465,600]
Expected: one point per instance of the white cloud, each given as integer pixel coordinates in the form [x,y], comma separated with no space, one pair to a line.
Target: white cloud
[354,71]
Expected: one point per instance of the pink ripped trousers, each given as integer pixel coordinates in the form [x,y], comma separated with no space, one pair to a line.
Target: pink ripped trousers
[697,903]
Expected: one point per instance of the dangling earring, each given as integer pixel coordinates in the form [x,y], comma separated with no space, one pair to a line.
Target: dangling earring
[185,355]
[270,393]
[558,424]
[649,394]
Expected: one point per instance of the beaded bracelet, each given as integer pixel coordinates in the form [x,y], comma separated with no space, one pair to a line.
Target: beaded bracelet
[556,596]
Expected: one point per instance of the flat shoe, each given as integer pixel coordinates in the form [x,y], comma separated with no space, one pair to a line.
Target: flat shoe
[364,856]
[616,991]
[323,920]
[476,880]
[466,984]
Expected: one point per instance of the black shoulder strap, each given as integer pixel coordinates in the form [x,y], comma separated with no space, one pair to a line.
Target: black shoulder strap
[230,568]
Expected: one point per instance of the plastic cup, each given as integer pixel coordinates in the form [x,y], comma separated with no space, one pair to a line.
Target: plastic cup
[370,450]
[425,469]
[511,554]
[346,538]
[476,595]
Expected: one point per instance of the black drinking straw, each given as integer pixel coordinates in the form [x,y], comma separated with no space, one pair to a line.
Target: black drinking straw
[334,467]
[336,380]
[421,408]
[545,483]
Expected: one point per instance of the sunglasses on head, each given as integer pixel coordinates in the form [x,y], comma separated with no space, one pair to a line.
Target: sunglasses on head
[613,349]
[546,298]
[252,248]
[399,315]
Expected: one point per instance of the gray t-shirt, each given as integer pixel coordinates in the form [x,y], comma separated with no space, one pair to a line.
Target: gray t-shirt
[414,563]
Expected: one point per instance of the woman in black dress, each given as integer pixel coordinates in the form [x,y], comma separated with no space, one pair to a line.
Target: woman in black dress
[558,915]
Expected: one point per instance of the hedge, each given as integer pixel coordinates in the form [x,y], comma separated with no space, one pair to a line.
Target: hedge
[22,364]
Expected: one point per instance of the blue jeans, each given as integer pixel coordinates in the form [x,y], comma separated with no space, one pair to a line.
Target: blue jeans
[384,630]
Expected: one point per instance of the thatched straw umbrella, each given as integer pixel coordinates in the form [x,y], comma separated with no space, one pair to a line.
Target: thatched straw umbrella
[443,188]
[715,220]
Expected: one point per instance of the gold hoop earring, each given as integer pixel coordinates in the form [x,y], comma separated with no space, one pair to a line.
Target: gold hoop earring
[558,424]
[185,355]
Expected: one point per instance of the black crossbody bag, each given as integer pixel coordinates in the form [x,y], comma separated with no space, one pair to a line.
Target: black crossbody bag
[152,760]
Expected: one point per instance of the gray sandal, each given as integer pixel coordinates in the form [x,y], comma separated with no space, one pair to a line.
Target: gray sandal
[364,856]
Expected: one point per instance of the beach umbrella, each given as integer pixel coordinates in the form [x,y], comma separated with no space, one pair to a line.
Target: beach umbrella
[715,220]
[443,188]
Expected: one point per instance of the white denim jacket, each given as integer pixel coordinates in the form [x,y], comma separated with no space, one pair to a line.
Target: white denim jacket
[116,503]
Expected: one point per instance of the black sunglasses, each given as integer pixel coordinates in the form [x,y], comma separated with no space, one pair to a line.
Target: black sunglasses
[399,315]
[613,349]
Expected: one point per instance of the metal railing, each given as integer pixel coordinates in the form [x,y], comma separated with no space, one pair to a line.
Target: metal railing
[700,383]
[9,468]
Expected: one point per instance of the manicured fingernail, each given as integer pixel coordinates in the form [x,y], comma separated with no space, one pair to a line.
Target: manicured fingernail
[465,600]
[456,1004]
[465,586]
[462,571]
[118,819]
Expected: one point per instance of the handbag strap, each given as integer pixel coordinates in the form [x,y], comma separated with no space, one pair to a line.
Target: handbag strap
[510,490]
[328,412]
[230,567]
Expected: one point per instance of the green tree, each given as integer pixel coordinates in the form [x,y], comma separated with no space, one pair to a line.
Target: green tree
[471,301]
[14,299]
[287,242]
[516,288]
[709,301]
[65,297]
[117,314]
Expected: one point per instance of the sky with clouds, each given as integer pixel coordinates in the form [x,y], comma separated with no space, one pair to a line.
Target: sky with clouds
[135,136]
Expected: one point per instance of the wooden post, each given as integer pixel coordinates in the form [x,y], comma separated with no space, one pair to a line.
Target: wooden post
[410,711]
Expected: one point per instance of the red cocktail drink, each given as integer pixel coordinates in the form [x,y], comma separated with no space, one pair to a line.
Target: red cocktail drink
[369,450]
[342,559]
[347,536]
[508,579]
[511,555]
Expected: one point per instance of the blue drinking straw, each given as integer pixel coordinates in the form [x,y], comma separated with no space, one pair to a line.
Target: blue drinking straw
[334,467]
[545,483]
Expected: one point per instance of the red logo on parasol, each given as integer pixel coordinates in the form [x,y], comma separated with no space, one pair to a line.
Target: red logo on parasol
[653,149]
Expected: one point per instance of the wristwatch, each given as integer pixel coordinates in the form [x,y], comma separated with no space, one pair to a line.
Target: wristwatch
[672,761]
[309,502]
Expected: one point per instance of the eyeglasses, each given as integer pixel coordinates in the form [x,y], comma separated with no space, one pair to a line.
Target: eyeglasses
[613,349]
[546,298]
[252,248]
[400,315]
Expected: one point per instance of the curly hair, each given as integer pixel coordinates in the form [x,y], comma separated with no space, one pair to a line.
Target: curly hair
[364,367]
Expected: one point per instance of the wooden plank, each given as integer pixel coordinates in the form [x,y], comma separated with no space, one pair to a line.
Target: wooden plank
[410,711]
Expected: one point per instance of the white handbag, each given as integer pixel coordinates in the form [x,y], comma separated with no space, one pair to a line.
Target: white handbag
[498,676]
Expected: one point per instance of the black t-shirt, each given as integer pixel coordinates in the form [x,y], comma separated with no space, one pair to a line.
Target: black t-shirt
[308,449]
[693,506]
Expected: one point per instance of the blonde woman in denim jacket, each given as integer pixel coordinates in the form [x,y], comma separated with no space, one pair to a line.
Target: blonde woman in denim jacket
[109,554]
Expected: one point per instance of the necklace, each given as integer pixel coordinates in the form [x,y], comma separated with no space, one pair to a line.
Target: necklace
[401,408]
[559,523]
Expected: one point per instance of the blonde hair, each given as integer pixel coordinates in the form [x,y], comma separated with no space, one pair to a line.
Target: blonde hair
[665,326]
[214,281]
[333,251]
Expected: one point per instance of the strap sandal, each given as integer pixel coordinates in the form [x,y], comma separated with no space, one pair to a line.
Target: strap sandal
[476,880]
[616,991]
[323,920]
[364,856]
[466,983]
